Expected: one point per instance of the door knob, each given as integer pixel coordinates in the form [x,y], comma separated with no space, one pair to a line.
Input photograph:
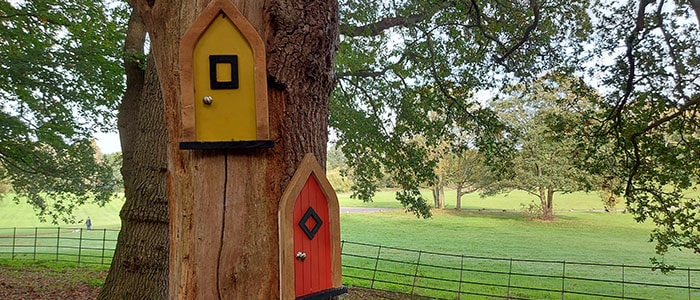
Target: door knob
[301,256]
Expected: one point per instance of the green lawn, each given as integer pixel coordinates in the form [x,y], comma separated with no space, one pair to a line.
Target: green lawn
[23,215]
[574,237]
[500,232]
[579,236]
[510,201]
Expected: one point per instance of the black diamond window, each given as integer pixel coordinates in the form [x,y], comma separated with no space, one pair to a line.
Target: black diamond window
[310,213]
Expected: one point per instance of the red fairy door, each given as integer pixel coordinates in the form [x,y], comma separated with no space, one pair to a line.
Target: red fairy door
[312,241]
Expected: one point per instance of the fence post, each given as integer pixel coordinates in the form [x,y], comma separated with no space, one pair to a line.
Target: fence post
[36,237]
[376,264]
[510,272]
[563,276]
[80,245]
[461,273]
[104,239]
[415,273]
[689,288]
[623,281]
[14,237]
[58,240]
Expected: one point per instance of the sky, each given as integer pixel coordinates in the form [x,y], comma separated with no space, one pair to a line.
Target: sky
[108,142]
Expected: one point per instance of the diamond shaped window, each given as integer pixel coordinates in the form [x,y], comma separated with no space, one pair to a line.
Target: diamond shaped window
[310,214]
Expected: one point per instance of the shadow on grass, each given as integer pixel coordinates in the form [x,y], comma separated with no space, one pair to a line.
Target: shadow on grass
[497,214]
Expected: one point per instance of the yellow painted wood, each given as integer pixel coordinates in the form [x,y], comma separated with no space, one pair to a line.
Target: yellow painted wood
[232,113]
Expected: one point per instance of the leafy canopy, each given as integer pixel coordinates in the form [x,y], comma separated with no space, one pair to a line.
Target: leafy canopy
[648,133]
[410,68]
[60,81]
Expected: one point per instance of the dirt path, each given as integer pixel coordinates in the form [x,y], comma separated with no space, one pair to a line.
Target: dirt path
[41,283]
[30,282]
[363,210]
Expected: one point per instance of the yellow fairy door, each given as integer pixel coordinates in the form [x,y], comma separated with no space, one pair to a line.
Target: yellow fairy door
[224,84]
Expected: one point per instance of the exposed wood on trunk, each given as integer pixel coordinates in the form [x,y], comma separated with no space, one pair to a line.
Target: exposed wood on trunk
[301,41]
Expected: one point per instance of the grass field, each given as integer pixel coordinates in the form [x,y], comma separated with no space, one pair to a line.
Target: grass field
[581,235]
[23,215]
[487,227]
[510,201]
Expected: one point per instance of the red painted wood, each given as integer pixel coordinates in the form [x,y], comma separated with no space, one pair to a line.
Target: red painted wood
[314,273]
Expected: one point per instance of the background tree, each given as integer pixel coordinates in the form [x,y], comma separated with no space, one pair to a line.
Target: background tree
[337,170]
[58,85]
[114,160]
[466,171]
[542,117]
[5,186]
[400,62]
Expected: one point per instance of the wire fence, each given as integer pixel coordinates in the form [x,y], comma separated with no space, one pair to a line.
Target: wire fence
[418,273]
[448,276]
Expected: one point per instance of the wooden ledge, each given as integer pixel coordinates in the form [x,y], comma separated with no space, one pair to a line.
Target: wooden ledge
[258,144]
[326,294]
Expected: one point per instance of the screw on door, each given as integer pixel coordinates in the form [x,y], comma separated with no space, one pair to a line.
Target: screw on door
[301,256]
[208,100]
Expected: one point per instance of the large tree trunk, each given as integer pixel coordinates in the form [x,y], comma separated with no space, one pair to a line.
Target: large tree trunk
[301,41]
[139,269]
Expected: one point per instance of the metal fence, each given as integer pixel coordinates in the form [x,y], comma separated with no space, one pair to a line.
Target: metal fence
[414,272]
[60,244]
[448,276]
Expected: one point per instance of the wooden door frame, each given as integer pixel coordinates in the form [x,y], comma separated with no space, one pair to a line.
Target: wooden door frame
[189,41]
[308,167]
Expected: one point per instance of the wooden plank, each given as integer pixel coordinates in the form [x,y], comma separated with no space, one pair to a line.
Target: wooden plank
[250,234]
[207,219]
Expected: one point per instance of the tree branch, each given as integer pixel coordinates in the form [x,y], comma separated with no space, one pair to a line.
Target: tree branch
[33,16]
[526,35]
[695,4]
[362,73]
[671,50]
[376,28]
[631,42]
[367,73]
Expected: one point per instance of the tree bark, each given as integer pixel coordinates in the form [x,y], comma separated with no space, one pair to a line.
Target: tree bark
[550,204]
[139,269]
[458,205]
[301,40]
[546,195]
[695,4]
[435,195]
[439,193]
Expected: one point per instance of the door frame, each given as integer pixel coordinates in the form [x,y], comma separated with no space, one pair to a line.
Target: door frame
[309,167]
